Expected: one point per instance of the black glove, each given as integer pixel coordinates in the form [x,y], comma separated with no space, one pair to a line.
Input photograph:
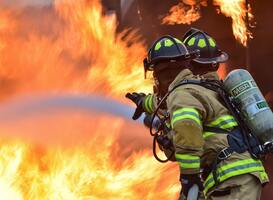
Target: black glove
[137,98]
[190,182]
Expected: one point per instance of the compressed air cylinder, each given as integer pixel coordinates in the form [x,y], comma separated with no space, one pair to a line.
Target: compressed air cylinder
[251,103]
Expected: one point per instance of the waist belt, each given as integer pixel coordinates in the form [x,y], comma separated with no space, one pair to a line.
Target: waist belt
[221,193]
[236,143]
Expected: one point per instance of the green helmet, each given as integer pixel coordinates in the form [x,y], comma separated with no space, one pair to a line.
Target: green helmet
[195,39]
[167,49]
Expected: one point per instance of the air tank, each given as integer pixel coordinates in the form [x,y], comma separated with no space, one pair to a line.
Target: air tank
[251,103]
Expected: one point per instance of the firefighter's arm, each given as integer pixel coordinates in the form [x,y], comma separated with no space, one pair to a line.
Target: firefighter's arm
[186,114]
[149,103]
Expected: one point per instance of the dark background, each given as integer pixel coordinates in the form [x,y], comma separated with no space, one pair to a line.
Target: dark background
[217,25]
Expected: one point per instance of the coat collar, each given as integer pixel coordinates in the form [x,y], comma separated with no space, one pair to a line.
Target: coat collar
[187,74]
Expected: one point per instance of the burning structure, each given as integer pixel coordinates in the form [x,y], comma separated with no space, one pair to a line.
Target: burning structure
[77,47]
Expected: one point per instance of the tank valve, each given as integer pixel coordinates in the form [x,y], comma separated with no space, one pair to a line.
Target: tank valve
[268,147]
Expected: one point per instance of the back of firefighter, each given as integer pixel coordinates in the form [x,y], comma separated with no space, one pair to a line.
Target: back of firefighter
[195,113]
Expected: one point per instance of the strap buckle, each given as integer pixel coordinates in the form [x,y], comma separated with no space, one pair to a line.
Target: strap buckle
[224,153]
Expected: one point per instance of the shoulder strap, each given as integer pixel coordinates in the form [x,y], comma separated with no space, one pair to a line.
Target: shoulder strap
[213,85]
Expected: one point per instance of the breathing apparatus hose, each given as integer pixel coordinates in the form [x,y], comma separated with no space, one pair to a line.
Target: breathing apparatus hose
[156,134]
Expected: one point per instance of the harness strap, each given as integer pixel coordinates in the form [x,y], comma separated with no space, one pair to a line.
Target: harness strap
[215,130]
[236,144]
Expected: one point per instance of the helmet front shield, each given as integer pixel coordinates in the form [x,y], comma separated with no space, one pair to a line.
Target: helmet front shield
[167,49]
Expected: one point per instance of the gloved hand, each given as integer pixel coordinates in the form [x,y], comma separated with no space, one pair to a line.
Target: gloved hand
[191,186]
[137,98]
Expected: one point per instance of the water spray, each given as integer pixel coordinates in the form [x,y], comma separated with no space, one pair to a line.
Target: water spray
[27,105]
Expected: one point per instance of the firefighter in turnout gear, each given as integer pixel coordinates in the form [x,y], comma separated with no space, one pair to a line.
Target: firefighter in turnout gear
[201,126]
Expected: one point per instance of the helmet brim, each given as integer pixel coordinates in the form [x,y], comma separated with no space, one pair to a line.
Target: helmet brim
[220,59]
[164,58]
[190,56]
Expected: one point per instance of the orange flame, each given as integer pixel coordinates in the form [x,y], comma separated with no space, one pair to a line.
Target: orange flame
[81,52]
[96,170]
[74,48]
[189,11]
[237,11]
[185,12]
[113,62]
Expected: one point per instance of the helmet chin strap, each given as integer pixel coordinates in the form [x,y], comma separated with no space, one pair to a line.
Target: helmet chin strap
[159,90]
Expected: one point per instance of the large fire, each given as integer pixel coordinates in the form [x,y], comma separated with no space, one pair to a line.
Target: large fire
[72,47]
[76,47]
[66,166]
[188,11]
